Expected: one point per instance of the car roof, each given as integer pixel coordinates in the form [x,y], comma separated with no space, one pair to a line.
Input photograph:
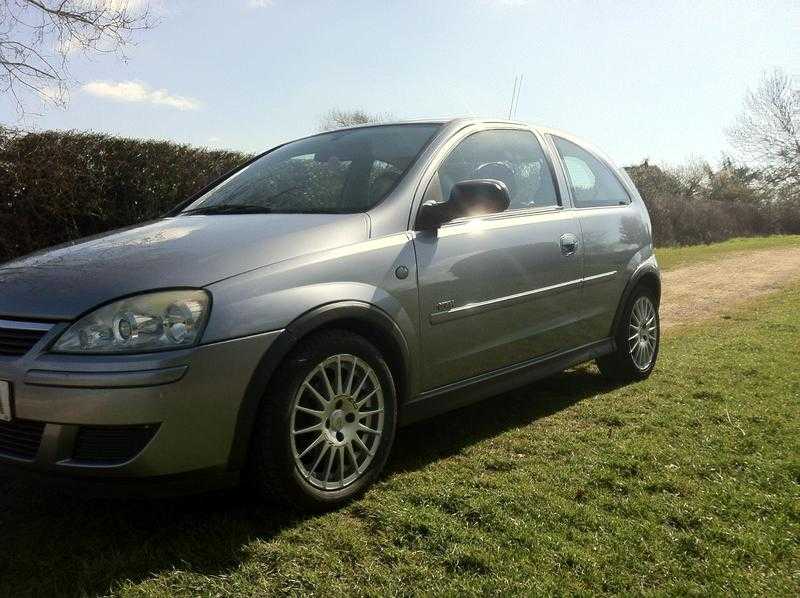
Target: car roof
[460,122]
[428,121]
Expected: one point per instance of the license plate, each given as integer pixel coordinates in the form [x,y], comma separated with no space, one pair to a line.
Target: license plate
[5,401]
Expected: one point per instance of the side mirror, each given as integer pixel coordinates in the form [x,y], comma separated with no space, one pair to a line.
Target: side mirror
[468,198]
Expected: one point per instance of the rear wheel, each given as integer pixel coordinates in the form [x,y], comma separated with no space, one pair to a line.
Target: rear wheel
[325,432]
[637,340]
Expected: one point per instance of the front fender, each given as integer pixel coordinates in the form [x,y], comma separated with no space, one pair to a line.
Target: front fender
[357,282]
[272,297]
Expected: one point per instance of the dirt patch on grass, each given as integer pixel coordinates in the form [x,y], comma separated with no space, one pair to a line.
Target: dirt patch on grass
[694,293]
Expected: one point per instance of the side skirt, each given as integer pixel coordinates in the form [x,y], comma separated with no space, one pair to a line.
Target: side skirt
[458,394]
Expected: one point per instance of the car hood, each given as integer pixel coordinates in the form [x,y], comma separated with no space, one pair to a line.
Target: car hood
[184,251]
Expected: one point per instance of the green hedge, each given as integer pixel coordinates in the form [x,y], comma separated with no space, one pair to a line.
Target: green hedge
[711,206]
[59,186]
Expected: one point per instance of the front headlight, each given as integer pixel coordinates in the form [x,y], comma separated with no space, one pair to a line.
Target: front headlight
[151,322]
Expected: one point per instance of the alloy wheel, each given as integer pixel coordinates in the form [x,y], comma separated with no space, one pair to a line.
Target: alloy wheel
[642,333]
[337,420]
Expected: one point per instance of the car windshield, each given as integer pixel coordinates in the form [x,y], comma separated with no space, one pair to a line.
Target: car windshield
[338,172]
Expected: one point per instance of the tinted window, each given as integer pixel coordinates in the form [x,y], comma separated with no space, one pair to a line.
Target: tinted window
[593,183]
[513,157]
[337,172]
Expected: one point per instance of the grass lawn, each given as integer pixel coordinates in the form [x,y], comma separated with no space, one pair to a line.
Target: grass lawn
[688,483]
[672,257]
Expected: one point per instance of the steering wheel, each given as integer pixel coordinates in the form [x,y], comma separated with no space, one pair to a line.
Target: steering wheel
[499,172]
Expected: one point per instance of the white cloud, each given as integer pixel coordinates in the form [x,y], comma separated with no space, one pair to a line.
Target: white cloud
[260,3]
[136,91]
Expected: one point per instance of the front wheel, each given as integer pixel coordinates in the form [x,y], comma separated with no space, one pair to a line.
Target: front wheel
[637,340]
[325,432]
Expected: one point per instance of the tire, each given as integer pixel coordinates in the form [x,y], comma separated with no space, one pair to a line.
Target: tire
[332,459]
[635,355]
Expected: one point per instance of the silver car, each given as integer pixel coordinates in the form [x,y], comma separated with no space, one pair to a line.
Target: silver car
[277,327]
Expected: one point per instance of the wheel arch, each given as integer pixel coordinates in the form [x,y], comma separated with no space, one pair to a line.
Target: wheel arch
[646,276]
[365,319]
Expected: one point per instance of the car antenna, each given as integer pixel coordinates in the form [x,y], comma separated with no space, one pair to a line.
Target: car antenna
[513,94]
[519,90]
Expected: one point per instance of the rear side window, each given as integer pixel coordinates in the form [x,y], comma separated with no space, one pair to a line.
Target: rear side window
[593,183]
[513,157]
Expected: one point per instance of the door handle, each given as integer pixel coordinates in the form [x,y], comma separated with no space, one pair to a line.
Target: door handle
[569,244]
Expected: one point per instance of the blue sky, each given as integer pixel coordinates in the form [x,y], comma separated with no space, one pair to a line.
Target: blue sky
[640,79]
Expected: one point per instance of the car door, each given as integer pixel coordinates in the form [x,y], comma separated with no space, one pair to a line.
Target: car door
[612,231]
[501,289]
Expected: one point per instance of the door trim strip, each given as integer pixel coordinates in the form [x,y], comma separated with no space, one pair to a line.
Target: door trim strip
[470,309]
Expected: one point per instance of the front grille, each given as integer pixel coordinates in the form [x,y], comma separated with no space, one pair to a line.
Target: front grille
[111,444]
[17,338]
[20,438]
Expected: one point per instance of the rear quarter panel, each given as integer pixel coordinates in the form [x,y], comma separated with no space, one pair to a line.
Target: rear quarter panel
[615,240]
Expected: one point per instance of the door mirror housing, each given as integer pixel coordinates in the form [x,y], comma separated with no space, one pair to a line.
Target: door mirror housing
[467,198]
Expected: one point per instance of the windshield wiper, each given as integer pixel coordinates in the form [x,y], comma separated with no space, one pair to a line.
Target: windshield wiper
[229,209]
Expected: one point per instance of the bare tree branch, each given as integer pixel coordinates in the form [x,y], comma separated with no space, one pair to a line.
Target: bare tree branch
[768,132]
[38,37]
[338,118]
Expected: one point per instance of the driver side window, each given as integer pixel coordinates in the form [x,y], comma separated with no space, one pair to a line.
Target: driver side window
[511,156]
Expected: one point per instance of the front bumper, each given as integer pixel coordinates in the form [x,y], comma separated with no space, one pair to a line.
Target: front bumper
[175,412]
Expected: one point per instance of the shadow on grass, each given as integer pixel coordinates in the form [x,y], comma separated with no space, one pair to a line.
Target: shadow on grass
[57,544]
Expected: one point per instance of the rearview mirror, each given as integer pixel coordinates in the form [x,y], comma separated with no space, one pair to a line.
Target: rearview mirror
[467,198]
